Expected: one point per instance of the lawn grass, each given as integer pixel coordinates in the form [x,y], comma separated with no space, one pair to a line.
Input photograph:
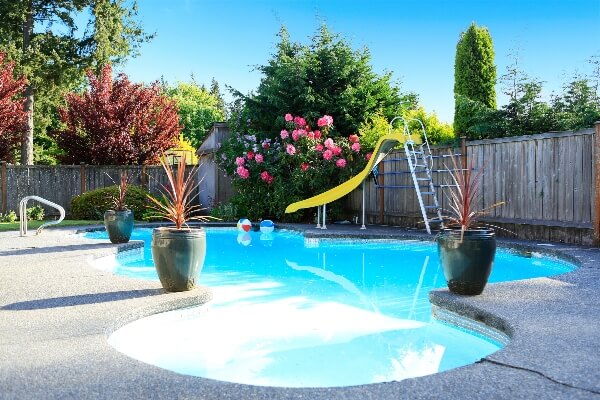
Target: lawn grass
[14,226]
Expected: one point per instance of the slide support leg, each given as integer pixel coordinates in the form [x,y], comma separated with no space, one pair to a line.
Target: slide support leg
[363,206]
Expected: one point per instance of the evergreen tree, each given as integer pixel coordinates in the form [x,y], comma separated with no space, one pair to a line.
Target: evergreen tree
[324,77]
[474,74]
[42,37]
[215,91]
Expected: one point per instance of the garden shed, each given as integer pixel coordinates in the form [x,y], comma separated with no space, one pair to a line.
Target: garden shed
[214,185]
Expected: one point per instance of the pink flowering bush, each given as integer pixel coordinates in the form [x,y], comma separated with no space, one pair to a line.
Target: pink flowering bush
[270,171]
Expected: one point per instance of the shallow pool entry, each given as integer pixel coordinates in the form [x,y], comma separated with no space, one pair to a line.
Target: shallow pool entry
[304,313]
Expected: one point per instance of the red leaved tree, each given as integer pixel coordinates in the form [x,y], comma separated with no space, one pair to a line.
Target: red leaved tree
[12,116]
[117,122]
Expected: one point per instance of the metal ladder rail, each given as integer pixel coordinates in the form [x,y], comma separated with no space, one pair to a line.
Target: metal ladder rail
[409,150]
[436,205]
[428,161]
[413,159]
[426,158]
[23,214]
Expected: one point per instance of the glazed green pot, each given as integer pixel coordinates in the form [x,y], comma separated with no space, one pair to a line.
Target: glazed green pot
[467,262]
[178,256]
[119,225]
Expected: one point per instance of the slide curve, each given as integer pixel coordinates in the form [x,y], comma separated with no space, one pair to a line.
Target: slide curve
[383,146]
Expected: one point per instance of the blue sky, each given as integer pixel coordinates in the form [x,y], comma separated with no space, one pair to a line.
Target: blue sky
[415,39]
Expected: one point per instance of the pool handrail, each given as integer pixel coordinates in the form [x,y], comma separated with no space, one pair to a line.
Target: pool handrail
[23,214]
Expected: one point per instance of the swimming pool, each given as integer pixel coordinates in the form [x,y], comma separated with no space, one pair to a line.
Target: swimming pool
[295,312]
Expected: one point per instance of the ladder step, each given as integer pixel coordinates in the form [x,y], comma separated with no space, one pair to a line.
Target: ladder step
[431,207]
[430,193]
[423,179]
[435,220]
[415,152]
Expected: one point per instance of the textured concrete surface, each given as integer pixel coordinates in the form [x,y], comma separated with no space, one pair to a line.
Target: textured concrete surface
[56,311]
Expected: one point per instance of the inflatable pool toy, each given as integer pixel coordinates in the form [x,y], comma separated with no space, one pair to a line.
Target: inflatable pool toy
[244,225]
[267,226]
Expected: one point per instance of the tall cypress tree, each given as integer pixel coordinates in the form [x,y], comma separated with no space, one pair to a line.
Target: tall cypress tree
[42,37]
[474,74]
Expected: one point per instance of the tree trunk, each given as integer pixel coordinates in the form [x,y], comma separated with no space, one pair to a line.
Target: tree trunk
[27,139]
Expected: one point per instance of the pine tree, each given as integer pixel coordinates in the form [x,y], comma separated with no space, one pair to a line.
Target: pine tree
[215,90]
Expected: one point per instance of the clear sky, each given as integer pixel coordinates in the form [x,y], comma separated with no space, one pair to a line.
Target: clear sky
[415,39]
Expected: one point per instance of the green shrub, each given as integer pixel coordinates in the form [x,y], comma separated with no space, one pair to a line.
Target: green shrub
[10,216]
[226,212]
[35,213]
[92,205]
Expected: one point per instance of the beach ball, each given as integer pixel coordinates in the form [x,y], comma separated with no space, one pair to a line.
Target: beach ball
[244,238]
[267,226]
[244,225]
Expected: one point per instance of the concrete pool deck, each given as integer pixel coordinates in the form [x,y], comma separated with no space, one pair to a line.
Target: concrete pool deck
[56,311]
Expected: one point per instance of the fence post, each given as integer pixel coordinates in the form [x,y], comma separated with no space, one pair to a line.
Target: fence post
[144,177]
[82,176]
[463,151]
[596,204]
[3,181]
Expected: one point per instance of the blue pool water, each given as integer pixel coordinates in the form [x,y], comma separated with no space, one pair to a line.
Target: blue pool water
[312,313]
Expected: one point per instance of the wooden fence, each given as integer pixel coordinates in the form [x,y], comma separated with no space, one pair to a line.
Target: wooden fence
[547,181]
[61,182]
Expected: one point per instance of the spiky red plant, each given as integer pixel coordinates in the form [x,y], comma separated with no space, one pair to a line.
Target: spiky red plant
[175,204]
[119,200]
[465,192]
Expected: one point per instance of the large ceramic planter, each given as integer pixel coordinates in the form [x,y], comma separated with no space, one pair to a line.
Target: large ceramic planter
[467,261]
[119,225]
[178,257]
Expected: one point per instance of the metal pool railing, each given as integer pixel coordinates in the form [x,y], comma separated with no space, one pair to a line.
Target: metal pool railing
[23,213]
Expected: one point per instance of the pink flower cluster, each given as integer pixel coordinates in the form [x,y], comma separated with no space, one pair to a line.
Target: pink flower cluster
[243,172]
[325,120]
[328,148]
[266,177]
[299,141]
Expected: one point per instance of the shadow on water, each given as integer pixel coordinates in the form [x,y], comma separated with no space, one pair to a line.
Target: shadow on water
[92,298]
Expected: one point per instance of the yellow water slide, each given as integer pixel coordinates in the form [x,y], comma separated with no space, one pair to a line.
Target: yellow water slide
[384,145]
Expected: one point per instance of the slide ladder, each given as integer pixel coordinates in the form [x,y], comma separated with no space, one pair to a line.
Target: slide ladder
[420,163]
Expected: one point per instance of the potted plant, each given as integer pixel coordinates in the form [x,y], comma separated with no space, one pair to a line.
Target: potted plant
[178,251]
[119,221]
[466,248]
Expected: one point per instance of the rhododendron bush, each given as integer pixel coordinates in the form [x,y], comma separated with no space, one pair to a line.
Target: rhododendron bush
[12,117]
[303,160]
